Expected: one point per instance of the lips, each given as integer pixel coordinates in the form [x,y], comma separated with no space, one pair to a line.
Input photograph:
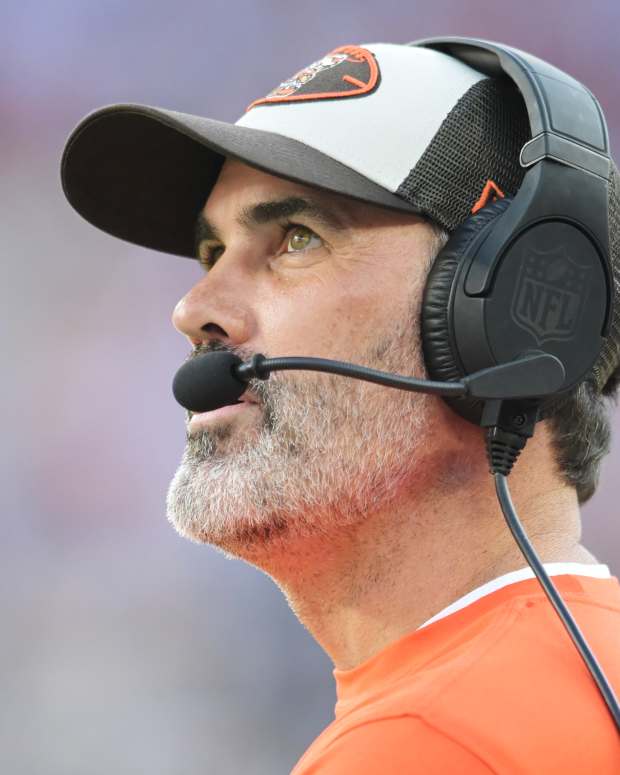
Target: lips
[246,398]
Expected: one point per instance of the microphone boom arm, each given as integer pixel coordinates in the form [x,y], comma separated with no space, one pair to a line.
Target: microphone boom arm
[534,375]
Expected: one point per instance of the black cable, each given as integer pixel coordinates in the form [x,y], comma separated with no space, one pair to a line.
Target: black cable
[508,509]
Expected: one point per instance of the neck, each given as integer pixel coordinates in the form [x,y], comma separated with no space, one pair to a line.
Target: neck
[368,584]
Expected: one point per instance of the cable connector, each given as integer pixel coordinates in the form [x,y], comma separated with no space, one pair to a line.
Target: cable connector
[503,448]
[509,425]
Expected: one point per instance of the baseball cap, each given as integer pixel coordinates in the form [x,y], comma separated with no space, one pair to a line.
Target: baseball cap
[400,126]
[365,121]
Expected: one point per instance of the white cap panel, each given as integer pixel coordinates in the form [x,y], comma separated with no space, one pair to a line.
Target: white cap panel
[418,88]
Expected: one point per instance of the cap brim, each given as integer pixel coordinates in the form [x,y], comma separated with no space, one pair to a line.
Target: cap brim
[142,173]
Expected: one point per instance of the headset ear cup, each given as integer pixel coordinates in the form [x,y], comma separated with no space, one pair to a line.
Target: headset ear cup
[441,359]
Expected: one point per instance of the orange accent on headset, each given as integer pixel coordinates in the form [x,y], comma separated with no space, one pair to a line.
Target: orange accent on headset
[489,192]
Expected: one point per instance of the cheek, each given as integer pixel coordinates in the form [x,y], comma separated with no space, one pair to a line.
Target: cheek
[331,319]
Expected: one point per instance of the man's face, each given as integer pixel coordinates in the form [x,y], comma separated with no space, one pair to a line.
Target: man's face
[295,271]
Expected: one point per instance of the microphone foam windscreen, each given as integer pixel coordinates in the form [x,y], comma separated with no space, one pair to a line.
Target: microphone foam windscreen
[207,382]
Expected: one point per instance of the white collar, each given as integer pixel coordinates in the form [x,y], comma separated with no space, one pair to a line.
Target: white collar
[552,568]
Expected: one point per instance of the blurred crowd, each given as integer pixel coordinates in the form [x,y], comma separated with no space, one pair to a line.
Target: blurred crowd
[125,649]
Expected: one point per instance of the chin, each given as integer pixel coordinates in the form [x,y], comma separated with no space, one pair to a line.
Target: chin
[241,535]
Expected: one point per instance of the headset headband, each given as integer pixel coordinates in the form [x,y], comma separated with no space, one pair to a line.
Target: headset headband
[567,160]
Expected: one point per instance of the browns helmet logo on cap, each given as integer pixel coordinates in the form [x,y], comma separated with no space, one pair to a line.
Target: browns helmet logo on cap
[348,71]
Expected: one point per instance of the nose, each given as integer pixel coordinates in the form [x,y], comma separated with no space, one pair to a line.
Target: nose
[217,308]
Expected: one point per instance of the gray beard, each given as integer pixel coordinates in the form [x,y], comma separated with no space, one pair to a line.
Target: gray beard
[326,453]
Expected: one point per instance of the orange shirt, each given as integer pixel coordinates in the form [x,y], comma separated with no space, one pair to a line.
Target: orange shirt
[496,687]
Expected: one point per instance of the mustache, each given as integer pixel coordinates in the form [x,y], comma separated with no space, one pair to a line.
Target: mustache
[217,346]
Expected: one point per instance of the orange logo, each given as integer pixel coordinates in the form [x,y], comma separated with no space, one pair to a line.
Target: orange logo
[490,193]
[348,71]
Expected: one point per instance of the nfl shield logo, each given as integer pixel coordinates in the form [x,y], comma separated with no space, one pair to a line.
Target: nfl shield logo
[550,295]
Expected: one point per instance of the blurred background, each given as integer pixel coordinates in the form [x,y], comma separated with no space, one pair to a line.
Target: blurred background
[124,648]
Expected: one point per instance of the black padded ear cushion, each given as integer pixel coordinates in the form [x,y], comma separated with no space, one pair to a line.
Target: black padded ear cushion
[442,363]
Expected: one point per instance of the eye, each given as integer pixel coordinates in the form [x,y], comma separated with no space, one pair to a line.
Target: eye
[302,238]
[208,255]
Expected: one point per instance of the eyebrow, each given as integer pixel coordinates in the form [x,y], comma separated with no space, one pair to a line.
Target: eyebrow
[331,216]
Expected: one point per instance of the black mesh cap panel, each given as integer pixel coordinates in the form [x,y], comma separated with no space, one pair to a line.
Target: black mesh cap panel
[481,138]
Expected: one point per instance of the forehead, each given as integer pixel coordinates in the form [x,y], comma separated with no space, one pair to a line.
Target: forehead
[238,185]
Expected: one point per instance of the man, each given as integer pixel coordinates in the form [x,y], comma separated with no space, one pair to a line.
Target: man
[319,216]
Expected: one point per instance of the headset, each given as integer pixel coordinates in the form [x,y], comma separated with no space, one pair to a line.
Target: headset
[517,303]
[531,272]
